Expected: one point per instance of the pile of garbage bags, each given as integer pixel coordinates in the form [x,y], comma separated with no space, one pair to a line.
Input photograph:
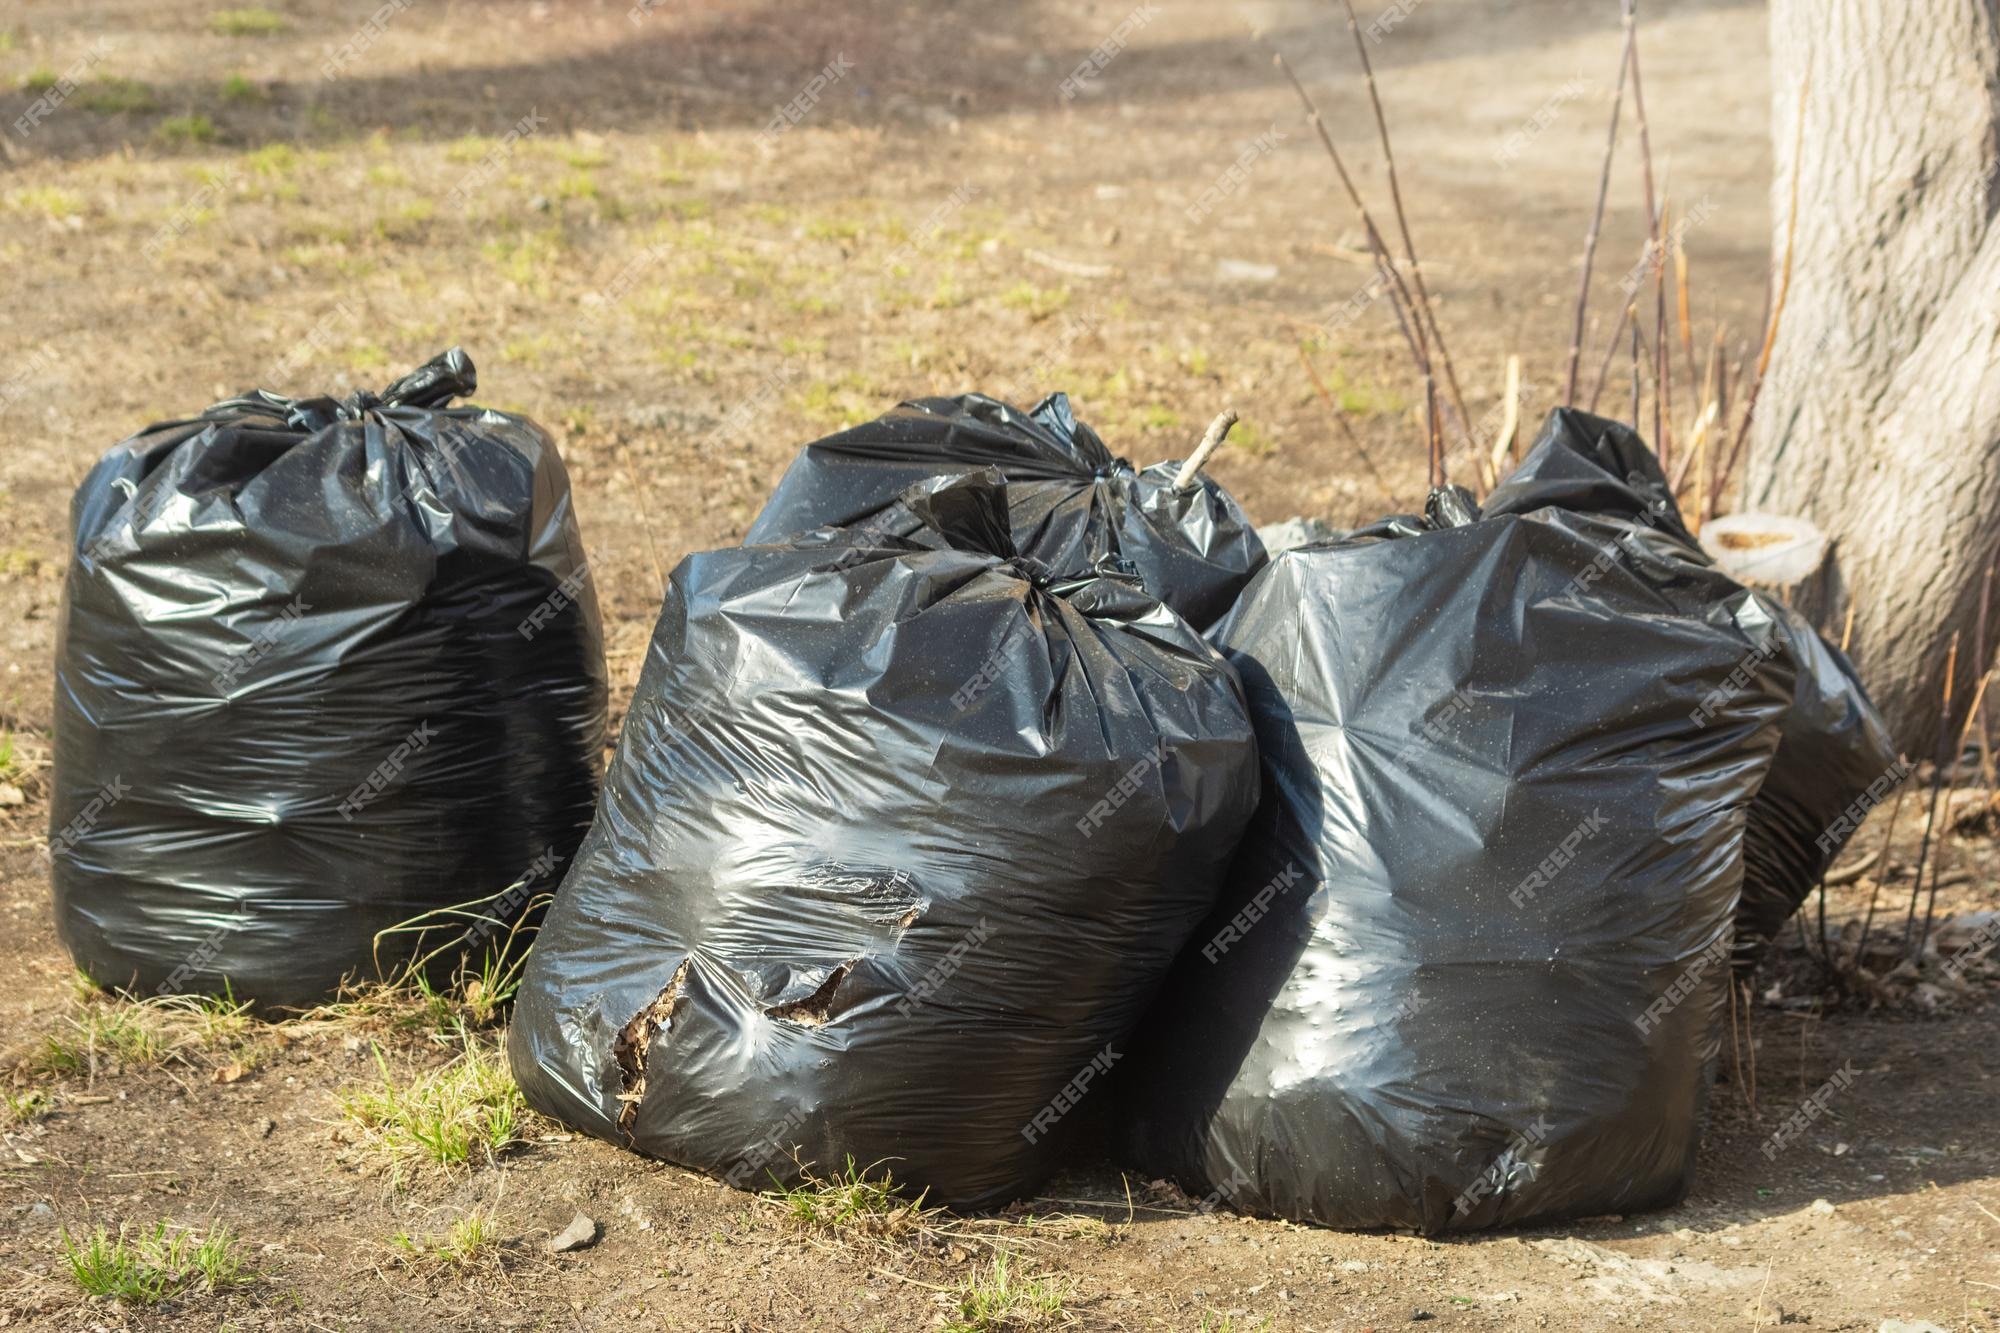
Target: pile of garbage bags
[991,786]
[901,836]
[323,667]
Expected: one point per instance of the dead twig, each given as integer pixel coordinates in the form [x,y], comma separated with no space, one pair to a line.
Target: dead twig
[1218,430]
[1400,300]
[1596,227]
[1340,420]
[1424,307]
[1938,768]
[1777,307]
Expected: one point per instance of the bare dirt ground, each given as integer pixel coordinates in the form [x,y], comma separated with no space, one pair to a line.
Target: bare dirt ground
[207,211]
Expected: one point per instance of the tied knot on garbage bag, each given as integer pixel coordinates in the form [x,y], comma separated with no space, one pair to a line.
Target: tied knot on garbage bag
[349,686]
[1072,503]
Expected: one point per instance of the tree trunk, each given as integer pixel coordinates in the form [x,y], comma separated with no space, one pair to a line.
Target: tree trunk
[1880,416]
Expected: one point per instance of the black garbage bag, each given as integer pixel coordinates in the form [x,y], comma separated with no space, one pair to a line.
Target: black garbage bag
[1072,503]
[1835,760]
[1470,966]
[323,667]
[899,840]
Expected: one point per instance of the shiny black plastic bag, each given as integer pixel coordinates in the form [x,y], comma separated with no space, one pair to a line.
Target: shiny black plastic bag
[901,835]
[323,667]
[1835,760]
[1470,968]
[1072,503]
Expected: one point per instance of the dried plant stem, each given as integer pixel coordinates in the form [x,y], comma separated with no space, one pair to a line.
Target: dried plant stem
[1985,654]
[1777,304]
[1610,350]
[1340,419]
[1218,430]
[1884,864]
[1944,835]
[1635,366]
[1750,1040]
[1400,300]
[1655,249]
[644,495]
[1399,292]
[1510,423]
[1596,228]
[1681,287]
[1937,785]
[1428,314]
[1735,1044]
[1433,435]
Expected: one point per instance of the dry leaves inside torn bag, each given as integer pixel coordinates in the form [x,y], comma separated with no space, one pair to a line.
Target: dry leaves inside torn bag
[900,838]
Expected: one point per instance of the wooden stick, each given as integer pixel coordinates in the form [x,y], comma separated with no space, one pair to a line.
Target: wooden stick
[1403,227]
[1510,424]
[1596,226]
[1218,429]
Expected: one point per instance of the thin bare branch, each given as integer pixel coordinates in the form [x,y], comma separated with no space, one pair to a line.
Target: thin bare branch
[1596,228]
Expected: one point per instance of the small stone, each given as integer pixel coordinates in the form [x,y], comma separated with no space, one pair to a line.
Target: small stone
[265,1127]
[12,795]
[1418,1315]
[1822,1207]
[581,1233]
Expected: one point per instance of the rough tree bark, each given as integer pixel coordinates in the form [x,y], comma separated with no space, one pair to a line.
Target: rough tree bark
[1880,419]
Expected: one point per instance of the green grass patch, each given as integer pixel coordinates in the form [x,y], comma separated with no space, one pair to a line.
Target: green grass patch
[253,22]
[277,160]
[183,131]
[112,97]
[1000,1299]
[236,88]
[1038,302]
[38,80]
[156,1265]
[463,1113]
[851,1201]
[1248,439]
[118,1031]
[473,1241]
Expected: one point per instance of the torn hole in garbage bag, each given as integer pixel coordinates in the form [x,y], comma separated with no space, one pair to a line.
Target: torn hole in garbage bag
[816,1009]
[635,1041]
